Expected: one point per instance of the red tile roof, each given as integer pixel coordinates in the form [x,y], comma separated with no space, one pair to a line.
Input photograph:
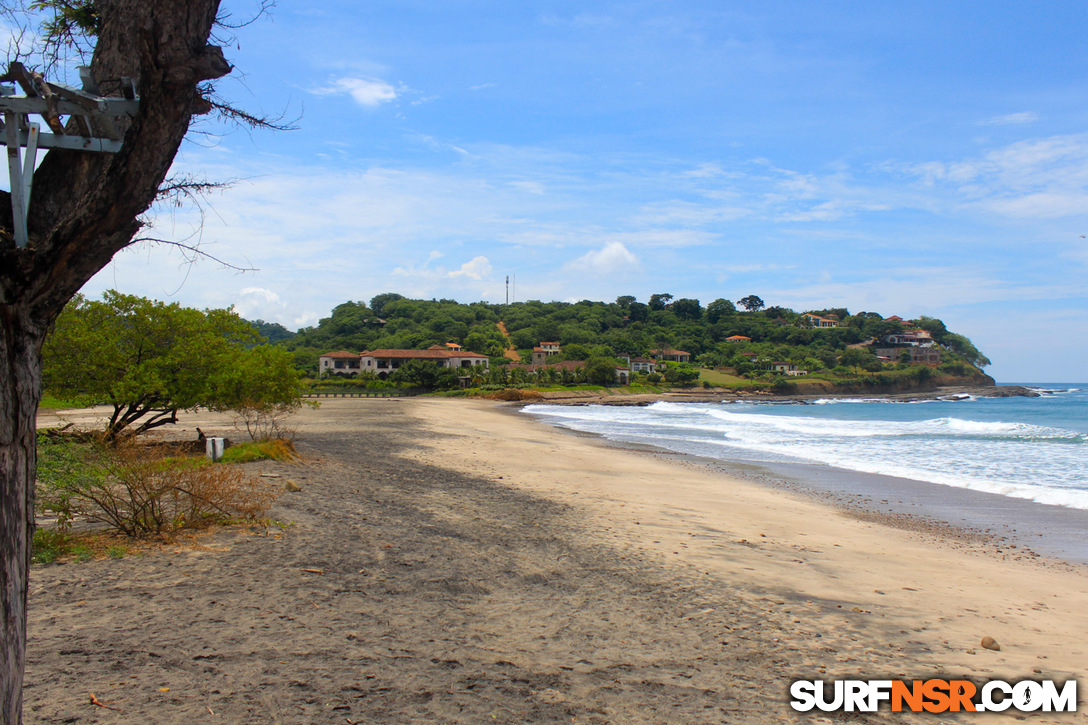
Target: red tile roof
[341,355]
[431,354]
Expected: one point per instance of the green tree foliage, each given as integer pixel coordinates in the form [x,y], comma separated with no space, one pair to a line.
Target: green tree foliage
[425,374]
[681,374]
[600,371]
[149,360]
[660,301]
[751,303]
[638,312]
[272,331]
[855,357]
[687,309]
[261,386]
[378,302]
[719,309]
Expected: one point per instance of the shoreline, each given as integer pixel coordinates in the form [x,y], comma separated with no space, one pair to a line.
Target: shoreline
[1021,527]
[1014,527]
[725,395]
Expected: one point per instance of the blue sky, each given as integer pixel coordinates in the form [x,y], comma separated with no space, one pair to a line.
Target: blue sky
[907,158]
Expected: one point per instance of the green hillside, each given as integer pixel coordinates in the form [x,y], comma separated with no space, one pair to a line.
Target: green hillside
[628,327]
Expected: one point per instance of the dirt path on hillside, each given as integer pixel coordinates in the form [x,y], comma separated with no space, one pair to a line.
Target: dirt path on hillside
[509,353]
[401,593]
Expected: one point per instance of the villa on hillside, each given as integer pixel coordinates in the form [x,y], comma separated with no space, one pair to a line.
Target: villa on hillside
[918,355]
[545,351]
[788,368]
[637,364]
[737,338]
[383,362]
[918,344]
[820,322]
[342,362]
[914,338]
[679,356]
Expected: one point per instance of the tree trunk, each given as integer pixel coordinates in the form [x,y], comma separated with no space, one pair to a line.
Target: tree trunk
[84,208]
[20,391]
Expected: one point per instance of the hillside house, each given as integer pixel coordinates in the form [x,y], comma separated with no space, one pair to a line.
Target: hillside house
[820,322]
[679,356]
[545,351]
[918,355]
[341,362]
[787,368]
[641,365]
[383,362]
[737,338]
[913,338]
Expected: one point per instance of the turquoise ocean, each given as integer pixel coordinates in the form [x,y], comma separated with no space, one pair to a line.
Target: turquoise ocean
[1033,450]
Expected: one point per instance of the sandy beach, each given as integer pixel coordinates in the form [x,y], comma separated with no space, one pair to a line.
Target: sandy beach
[453,560]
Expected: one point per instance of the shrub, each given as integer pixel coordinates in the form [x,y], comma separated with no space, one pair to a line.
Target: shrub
[139,491]
[48,545]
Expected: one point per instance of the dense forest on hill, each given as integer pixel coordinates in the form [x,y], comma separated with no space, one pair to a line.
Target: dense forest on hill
[623,327]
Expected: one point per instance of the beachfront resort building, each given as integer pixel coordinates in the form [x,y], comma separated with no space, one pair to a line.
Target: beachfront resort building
[383,362]
[340,362]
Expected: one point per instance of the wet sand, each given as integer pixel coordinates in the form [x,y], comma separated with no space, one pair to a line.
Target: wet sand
[469,565]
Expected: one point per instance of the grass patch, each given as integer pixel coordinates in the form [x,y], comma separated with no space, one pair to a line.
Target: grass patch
[49,545]
[51,402]
[718,378]
[53,544]
[278,449]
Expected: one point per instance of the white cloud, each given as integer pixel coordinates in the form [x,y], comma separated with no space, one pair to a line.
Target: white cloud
[613,258]
[370,92]
[477,268]
[1011,119]
[531,187]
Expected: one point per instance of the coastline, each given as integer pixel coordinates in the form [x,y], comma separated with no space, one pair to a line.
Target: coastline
[476,564]
[719,395]
[1012,527]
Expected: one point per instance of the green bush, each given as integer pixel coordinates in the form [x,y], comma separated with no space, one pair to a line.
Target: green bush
[140,490]
[48,545]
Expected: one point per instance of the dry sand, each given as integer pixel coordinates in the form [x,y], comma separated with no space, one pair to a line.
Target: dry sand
[477,566]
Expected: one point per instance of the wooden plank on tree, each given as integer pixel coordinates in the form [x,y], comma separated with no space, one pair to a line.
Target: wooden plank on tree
[15,173]
[41,106]
[74,143]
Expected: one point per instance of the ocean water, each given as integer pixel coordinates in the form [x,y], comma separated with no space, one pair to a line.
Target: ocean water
[1033,449]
